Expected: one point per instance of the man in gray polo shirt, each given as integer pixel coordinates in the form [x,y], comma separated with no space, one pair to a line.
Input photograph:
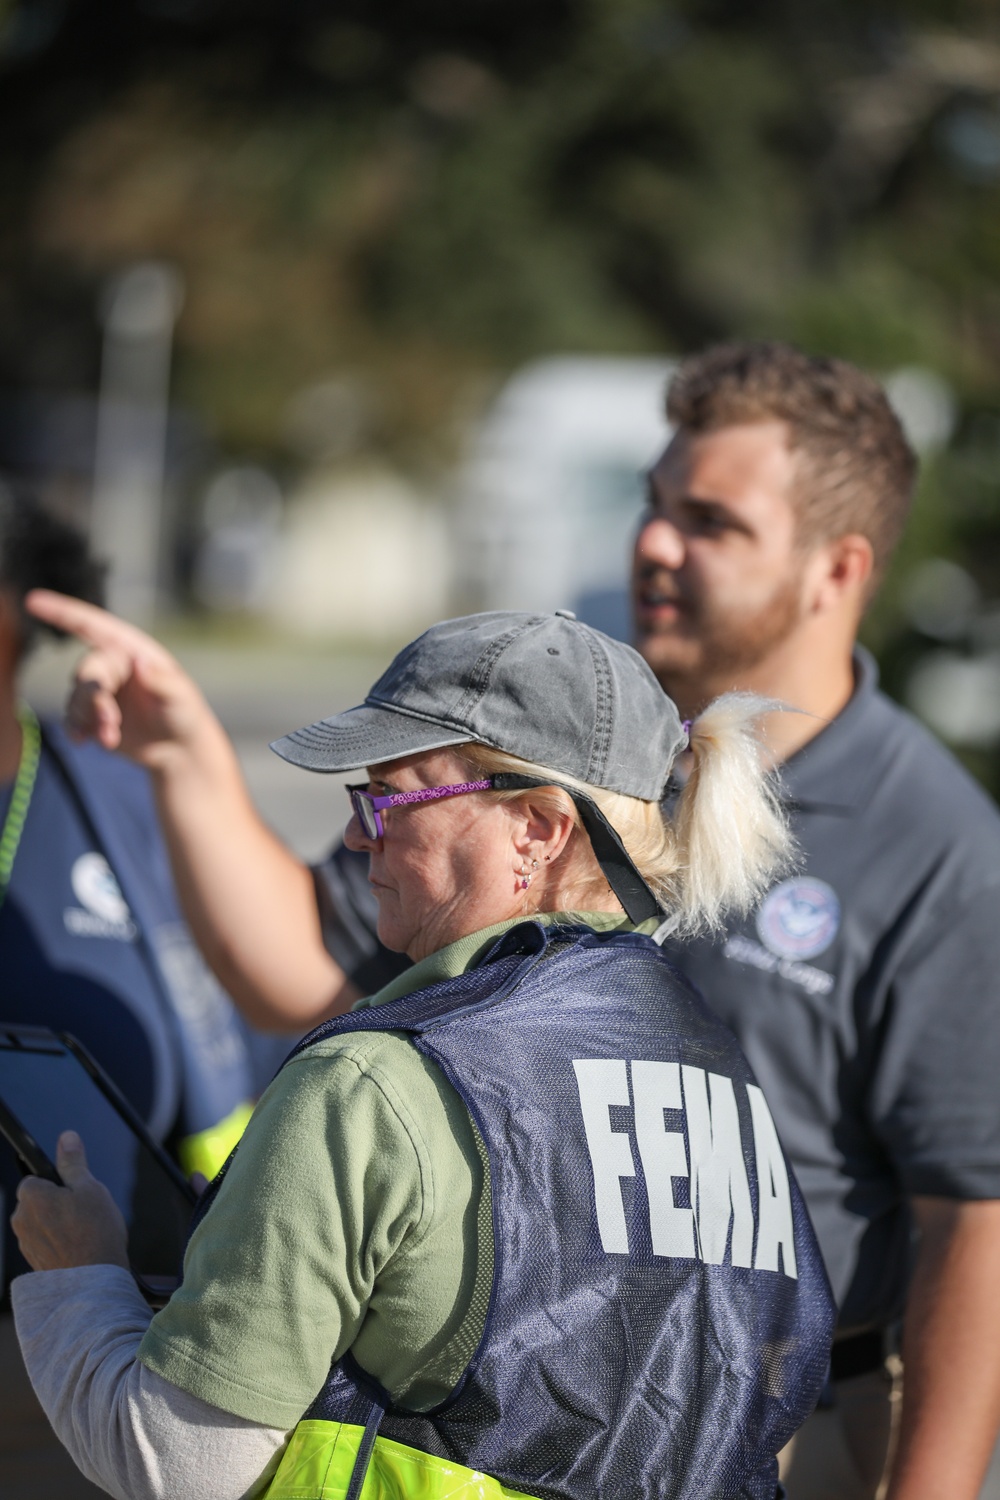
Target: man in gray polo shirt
[865,990]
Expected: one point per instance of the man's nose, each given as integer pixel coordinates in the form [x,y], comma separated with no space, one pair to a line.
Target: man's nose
[659,542]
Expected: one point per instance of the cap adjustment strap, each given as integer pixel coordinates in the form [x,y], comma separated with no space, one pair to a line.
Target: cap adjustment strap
[636,898]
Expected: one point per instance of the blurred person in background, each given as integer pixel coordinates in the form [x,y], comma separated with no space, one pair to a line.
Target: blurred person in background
[92,942]
[864,989]
[421,1273]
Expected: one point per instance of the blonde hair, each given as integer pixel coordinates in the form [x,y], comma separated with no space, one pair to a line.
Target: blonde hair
[727,837]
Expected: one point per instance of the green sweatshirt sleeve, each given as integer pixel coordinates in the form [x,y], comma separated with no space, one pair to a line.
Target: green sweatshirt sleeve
[347,1219]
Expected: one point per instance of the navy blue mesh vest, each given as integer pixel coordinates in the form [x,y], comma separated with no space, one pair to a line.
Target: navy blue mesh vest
[660,1319]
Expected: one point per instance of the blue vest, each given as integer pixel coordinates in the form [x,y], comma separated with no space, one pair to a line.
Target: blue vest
[660,1319]
[208,1037]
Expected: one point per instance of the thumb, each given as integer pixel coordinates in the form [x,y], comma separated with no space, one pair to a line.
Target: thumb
[157,674]
[71,1158]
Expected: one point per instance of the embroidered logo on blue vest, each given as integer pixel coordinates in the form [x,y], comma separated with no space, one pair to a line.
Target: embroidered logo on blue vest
[103,912]
[800,918]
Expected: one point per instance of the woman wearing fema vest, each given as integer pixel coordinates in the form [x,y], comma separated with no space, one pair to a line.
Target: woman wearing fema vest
[520,1224]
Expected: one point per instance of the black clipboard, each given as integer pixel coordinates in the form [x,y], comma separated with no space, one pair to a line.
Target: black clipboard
[50,1083]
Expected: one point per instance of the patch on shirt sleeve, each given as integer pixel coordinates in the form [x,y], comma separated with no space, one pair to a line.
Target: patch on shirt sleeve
[800,918]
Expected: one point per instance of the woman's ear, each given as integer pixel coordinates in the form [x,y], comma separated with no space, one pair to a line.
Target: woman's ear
[543,826]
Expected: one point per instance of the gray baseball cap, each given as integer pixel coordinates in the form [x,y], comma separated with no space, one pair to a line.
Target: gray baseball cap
[545,688]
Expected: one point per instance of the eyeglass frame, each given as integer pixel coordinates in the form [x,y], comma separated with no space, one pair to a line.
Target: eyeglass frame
[364,803]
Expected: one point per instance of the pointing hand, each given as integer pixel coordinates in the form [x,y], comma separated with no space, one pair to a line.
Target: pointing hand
[129,693]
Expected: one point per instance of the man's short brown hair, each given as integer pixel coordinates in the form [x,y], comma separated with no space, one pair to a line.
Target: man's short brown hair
[856,471]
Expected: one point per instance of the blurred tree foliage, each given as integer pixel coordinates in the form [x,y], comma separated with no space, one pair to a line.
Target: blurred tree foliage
[430,192]
[430,187]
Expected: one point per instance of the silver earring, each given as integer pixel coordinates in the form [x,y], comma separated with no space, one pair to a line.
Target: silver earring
[526,874]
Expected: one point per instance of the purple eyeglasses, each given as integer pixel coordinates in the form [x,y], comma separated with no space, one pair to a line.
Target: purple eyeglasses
[369,808]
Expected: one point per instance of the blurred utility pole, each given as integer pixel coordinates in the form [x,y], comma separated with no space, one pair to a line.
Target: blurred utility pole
[138,309]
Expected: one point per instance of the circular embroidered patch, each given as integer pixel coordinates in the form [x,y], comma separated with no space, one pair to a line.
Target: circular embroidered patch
[799,918]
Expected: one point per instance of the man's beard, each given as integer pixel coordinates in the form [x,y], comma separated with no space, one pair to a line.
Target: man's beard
[717,646]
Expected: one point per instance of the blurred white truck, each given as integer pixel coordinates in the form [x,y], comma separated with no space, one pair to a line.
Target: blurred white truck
[554,484]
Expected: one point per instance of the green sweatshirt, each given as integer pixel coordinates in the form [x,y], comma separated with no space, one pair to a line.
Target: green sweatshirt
[355,1215]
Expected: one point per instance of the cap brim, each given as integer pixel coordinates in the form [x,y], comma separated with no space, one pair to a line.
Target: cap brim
[363,736]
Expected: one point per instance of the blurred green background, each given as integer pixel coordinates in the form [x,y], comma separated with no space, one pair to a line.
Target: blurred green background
[399,204]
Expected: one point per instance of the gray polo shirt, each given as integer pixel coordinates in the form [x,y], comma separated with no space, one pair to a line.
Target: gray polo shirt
[866,991]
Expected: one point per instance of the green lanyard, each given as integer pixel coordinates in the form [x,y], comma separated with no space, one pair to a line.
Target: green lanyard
[20,800]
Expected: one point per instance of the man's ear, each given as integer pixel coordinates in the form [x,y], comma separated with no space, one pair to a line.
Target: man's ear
[837,573]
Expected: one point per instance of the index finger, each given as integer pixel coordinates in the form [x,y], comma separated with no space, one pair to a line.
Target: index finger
[91,624]
[33,1189]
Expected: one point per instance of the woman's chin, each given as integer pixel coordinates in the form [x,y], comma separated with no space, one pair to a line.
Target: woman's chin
[391,934]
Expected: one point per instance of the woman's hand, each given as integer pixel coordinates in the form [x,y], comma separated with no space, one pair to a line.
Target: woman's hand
[76,1225]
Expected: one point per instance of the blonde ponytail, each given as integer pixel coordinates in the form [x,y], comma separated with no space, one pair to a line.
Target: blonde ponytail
[731,836]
